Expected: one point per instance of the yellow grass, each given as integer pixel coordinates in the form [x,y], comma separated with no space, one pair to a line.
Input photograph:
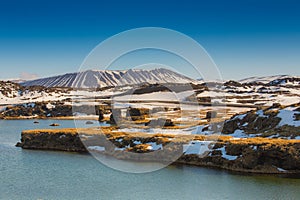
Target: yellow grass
[108,131]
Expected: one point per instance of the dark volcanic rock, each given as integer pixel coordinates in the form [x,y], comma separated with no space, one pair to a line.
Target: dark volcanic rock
[63,141]
[115,117]
[160,122]
[211,114]
[54,124]
[57,109]
[251,123]
[39,109]
[101,116]
[137,113]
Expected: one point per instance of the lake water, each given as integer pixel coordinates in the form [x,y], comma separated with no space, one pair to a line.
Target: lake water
[32,174]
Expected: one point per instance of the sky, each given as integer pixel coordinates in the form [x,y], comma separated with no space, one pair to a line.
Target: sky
[244,38]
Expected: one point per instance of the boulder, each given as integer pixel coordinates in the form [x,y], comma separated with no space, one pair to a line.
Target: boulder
[160,122]
[101,116]
[137,113]
[115,117]
[54,124]
[211,114]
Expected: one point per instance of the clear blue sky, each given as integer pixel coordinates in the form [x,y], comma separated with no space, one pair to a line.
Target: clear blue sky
[244,38]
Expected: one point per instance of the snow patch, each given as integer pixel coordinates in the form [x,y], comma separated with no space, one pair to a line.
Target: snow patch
[96,148]
[196,147]
[225,155]
[239,134]
[154,146]
[241,117]
[287,118]
[280,169]
[260,113]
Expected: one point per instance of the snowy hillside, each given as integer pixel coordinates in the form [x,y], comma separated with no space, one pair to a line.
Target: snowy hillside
[273,80]
[14,93]
[279,89]
[273,122]
[9,89]
[105,78]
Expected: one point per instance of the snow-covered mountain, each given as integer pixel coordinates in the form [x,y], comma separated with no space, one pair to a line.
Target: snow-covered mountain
[105,78]
[273,80]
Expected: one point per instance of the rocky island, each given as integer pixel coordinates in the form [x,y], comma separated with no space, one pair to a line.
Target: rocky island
[259,155]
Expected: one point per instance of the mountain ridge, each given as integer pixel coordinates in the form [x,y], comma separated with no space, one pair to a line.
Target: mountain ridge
[105,78]
[266,79]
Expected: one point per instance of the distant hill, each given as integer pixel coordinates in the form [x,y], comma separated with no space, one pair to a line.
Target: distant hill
[273,80]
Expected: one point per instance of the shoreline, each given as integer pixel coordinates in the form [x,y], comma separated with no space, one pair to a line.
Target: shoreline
[177,163]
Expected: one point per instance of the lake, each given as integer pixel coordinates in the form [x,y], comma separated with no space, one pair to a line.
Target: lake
[32,174]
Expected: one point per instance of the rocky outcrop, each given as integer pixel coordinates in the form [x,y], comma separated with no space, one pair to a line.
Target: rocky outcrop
[275,121]
[115,117]
[251,123]
[54,124]
[100,116]
[211,115]
[252,155]
[63,140]
[137,113]
[160,122]
[40,109]
[50,109]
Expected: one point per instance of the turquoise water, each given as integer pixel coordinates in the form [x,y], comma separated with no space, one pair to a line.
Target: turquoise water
[28,174]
